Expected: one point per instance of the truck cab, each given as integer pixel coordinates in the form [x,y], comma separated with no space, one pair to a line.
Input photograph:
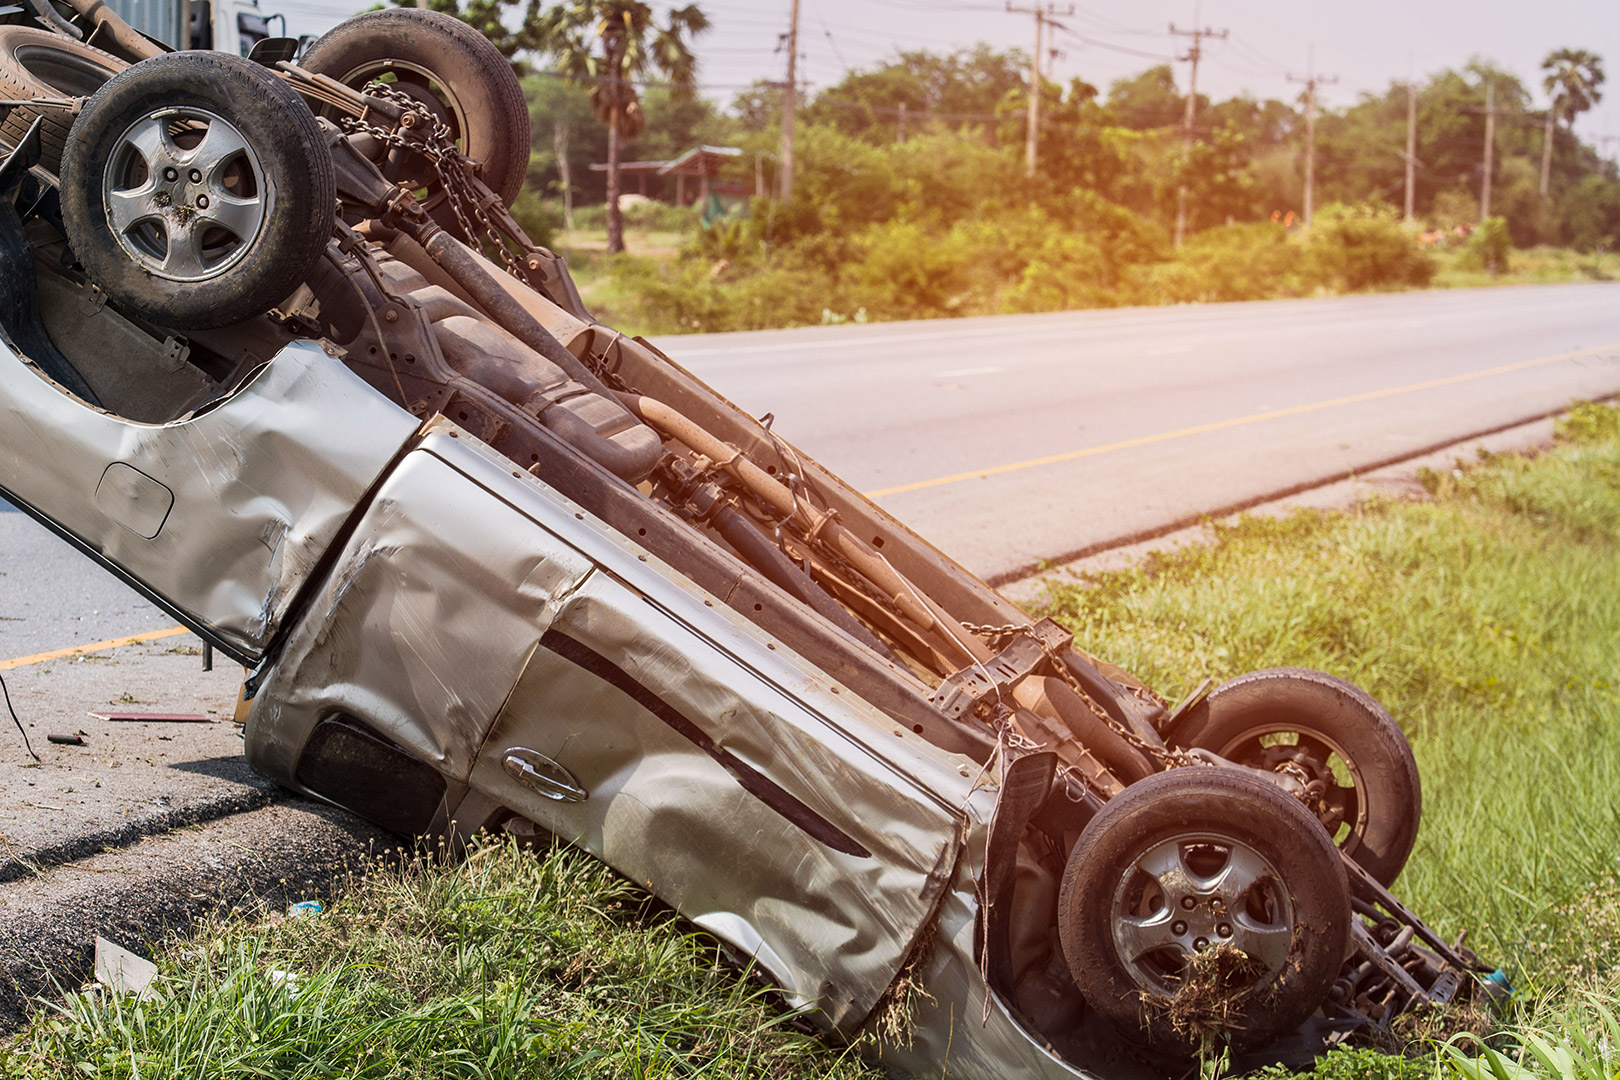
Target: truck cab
[232,26]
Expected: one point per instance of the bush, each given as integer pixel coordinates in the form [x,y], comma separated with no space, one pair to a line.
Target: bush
[1233,262]
[540,218]
[907,271]
[1592,214]
[1364,246]
[1487,248]
[659,216]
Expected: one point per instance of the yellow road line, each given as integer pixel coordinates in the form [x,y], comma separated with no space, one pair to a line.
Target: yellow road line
[98,646]
[1222,425]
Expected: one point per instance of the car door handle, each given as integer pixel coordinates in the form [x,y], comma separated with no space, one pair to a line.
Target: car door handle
[542,775]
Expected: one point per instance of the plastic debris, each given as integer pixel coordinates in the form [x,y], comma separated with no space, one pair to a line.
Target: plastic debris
[155,717]
[305,907]
[121,971]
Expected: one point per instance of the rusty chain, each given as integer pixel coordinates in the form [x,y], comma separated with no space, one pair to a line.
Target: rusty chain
[438,146]
[1167,757]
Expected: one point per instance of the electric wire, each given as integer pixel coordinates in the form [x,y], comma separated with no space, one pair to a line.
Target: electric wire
[15,720]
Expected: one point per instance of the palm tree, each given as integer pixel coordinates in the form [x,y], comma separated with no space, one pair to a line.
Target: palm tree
[1572,80]
[610,43]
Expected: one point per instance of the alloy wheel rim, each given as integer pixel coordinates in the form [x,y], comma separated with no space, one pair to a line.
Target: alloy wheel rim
[1194,892]
[186,194]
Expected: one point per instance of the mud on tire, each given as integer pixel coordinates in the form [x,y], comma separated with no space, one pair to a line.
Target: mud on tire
[197,190]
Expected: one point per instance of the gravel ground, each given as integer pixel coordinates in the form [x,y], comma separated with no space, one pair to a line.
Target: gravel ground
[139,895]
[130,779]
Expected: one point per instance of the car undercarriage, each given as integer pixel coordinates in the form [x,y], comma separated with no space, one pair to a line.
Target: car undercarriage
[494,566]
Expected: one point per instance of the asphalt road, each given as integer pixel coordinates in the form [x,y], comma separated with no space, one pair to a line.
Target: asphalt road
[1154,415]
[1151,414]
[52,597]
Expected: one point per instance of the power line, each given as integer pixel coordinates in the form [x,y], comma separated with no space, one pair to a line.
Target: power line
[1127,50]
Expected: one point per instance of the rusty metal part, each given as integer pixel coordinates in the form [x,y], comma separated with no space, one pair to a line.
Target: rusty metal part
[818,525]
[107,25]
[1167,757]
[1052,697]
[999,673]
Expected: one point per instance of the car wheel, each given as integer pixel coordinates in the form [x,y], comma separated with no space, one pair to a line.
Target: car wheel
[455,72]
[197,190]
[1204,903]
[37,63]
[1361,776]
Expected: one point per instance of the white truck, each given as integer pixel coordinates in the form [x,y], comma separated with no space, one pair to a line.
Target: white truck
[232,26]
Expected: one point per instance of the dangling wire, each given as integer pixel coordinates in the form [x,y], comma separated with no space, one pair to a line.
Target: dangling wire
[15,720]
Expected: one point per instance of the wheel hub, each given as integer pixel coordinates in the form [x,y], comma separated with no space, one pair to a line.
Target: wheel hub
[1192,892]
[186,195]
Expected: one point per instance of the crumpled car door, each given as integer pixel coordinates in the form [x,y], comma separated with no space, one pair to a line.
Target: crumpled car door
[709,775]
[222,516]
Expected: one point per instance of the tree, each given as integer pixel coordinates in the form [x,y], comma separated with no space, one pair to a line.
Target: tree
[1150,100]
[920,89]
[1572,80]
[608,44]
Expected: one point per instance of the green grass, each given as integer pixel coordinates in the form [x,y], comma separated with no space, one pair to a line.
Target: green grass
[1488,622]
[505,965]
[1534,266]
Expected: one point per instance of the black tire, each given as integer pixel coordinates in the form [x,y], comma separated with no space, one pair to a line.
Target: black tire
[451,68]
[256,219]
[1335,731]
[37,63]
[1282,892]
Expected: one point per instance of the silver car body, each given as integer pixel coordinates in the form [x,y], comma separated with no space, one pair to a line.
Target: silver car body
[463,608]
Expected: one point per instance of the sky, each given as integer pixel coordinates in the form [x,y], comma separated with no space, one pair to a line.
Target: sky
[1365,43]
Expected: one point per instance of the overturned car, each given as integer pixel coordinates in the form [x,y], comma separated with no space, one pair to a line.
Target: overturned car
[276,354]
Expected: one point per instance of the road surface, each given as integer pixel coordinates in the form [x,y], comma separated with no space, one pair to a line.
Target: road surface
[1008,441]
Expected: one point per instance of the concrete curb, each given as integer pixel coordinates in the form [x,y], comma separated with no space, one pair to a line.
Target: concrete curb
[248,863]
[21,865]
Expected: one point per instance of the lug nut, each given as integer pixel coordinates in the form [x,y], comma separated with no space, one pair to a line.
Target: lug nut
[1200,944]
[171,174]
[202,202]
[1188,902]
[196,176]
[1178,928]
[1224,930]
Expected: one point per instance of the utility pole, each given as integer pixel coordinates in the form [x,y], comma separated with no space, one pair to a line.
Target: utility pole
[1490,148]
[784,172]
[1032,125]
[1311,81]
[900,132]
[1194,53]
[1411,148]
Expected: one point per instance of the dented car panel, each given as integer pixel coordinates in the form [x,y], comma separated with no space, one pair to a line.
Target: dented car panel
[834,831]
[222,514]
